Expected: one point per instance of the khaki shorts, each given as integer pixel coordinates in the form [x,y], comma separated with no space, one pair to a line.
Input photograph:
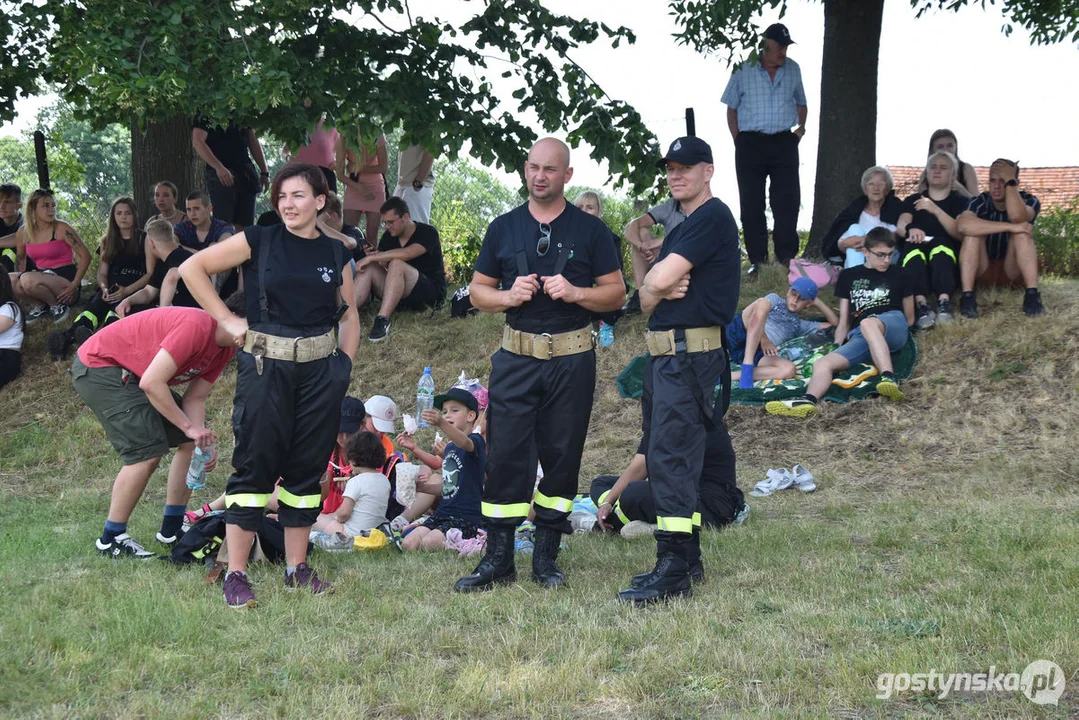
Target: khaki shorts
[134,427]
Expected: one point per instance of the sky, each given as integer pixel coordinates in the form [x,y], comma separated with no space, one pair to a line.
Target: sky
[946,69]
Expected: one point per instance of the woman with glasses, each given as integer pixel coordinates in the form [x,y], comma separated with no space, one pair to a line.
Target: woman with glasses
[877,206]
[405,271]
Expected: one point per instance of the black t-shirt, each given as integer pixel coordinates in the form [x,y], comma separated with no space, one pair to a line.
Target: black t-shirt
[301,280]
[926,221]
[429,263]
[125,269]
[996,245]
[176,258]
[708,238]
[592,256]
[872,292]
[6,229]
[617,240]
[228,144]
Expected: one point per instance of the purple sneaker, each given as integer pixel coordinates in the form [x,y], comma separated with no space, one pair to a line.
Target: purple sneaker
[238,592]
[305,577]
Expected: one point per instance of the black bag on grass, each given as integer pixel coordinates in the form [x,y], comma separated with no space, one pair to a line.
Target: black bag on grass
[201,541]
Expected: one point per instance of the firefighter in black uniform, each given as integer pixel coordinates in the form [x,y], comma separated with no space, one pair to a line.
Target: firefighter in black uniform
[291,374]
[555,265]
[691,294]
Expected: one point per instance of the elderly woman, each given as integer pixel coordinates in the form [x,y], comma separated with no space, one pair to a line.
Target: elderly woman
[931,255]
[876,207]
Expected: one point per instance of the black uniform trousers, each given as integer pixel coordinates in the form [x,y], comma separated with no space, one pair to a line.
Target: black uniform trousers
[98,313]
[285,421]
[720,500]
[932,267]
[759,157]
[690,461]
[538,408]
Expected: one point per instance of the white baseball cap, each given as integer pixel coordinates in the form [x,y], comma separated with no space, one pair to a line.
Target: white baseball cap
[382,411]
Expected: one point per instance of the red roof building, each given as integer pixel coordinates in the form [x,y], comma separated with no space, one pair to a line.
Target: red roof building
[1053,186]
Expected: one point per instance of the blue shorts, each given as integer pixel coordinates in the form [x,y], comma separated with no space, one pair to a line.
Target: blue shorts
[856,349]
[736,341]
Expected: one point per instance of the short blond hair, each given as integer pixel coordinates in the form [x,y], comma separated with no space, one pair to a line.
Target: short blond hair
[160,230]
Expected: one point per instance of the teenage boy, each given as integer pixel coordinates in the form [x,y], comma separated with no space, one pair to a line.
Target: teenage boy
[765,324]
[10,221]
[125,373]
[461,482]
[165,284]
[201,229]
[876,307]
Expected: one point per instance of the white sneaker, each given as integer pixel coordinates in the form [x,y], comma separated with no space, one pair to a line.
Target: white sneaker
[778,479]
[637,528]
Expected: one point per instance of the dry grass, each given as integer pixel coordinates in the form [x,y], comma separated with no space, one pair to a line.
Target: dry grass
[944,535]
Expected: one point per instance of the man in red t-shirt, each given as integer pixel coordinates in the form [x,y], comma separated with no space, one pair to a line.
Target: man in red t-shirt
[124,373]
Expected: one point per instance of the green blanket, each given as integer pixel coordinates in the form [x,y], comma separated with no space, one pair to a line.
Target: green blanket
[856,383]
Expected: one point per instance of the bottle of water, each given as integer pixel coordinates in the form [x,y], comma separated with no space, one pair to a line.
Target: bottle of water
[425,395]
[606,334]
[196,472]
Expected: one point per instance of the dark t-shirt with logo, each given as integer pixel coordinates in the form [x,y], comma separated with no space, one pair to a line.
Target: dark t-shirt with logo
[462,481]
[872,292]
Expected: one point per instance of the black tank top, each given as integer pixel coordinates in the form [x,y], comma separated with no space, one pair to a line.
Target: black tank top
[302,278]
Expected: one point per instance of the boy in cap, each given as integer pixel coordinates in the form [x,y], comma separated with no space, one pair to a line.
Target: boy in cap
[461,481]
[767,323]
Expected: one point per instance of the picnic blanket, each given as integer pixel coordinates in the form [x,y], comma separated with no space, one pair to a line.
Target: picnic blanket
[856,383]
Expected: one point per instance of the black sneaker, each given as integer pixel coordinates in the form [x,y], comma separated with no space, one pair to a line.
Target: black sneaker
[633,305]
[1032,304]
[968,306]
[58,342]
[924,317]
[123,546]
[944,310]
[380,329]
[753,272]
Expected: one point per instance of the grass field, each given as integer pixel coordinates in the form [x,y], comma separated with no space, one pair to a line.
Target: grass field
[944,536]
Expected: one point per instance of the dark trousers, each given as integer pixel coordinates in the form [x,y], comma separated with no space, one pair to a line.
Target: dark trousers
[757,158]
[538,408]
[720,498]
[932,267]
[96,313]
[691,466]
[285,422]
[10,365]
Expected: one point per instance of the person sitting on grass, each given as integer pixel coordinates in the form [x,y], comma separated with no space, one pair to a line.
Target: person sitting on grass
[10,222]
[166,195]
[165,285]
[12,323]
[461,481]
[876,307]
[338,469]
[998,241]
[406,270]
[363,505]
[754,335]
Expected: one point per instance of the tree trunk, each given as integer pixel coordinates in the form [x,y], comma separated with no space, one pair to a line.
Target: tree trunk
[848,108]
[163,152]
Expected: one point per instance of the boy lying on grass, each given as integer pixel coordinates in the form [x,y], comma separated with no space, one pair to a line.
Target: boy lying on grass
[877,301]
[769,322]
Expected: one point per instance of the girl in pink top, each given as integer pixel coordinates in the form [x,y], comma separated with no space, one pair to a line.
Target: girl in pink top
[320,150]
[365,186]
[60,257]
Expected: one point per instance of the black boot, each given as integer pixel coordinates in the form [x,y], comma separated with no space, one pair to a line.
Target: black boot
[544,570]
[670,577]
[496,567]
[696,564]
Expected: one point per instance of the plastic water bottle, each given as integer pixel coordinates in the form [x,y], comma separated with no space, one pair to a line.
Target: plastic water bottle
[425,395]
[196,471]
[606,334]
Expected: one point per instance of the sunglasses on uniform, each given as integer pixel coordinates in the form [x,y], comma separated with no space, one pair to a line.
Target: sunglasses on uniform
[544,242]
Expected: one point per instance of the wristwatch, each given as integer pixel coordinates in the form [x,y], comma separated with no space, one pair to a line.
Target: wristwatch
[1011,183]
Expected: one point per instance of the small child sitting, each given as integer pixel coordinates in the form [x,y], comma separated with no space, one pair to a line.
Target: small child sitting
[877,307]
[365,496]
[753,336]
[461,481]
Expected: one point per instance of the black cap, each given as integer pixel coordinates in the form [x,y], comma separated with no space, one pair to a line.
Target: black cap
[352,414]
[687,151]
[779,33]
[460,395]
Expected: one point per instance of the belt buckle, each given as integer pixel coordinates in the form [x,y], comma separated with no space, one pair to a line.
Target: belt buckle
[550,345]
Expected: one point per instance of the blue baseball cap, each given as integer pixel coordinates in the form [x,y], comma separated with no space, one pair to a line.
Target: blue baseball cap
[352,415]
[805,288]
